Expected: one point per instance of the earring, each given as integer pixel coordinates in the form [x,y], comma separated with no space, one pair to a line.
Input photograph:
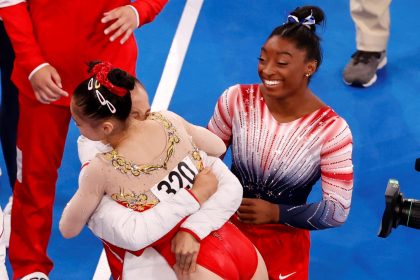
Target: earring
[307,75]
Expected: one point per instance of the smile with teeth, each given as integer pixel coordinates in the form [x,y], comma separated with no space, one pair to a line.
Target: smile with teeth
[271,82]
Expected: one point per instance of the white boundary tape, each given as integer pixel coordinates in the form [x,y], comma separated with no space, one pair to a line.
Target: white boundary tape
[102,272]
[176,55]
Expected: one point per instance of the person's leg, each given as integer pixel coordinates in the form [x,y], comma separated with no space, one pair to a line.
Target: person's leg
[9,112]
[261,273]
[201,273]
[9,109]
[41,136]
[372,23]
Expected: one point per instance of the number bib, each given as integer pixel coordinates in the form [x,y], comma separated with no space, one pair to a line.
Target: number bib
[182,176]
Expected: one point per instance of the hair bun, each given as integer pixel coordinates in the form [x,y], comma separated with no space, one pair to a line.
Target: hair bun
[309,21]
[122,79]
[100,71]
[308,16]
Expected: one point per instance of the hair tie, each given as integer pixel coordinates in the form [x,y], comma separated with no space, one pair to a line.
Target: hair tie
[100,71]
[308,21]
[95,85]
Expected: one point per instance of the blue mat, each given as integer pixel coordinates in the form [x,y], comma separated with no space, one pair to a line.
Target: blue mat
[384,120]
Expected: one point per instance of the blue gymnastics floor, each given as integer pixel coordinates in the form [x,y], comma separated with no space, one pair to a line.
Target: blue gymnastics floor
[384,120]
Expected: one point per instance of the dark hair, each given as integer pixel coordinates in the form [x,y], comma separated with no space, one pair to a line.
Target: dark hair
[89,103]
[302,35]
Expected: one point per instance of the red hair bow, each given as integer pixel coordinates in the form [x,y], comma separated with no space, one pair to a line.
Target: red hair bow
[100,71]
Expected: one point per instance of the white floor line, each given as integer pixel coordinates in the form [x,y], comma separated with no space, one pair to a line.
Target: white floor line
[176,55]
[102,272]
[166,86]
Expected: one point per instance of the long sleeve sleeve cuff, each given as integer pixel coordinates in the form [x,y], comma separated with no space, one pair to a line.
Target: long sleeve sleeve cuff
[148,9]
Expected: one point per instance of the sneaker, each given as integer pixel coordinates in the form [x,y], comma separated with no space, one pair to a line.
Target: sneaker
[7,214]
[3,272]
[361,70]
[8,208]
[35,276]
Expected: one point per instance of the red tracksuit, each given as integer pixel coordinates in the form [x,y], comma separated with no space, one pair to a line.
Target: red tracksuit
[65,34]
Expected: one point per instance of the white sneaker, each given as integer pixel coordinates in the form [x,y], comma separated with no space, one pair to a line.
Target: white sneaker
[35,276]
[5,238]
[8,207]
[3,271]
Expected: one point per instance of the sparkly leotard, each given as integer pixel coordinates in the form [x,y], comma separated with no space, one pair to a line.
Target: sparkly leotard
[142,186]
[280,162]
[217,252]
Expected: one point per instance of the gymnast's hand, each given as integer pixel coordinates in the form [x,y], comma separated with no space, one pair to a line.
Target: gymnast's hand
[205,185]
[46,83]
[124,22]
[186,248]
[258,211]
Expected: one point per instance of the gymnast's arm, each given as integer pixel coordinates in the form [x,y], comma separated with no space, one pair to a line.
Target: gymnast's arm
[218,209]
[85,200]
[126,228]
[135,230]
[337,184]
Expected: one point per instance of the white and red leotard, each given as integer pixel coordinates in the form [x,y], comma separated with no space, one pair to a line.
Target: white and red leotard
[280,163]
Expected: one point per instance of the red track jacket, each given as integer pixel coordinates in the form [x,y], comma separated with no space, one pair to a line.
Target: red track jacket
[68,34]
